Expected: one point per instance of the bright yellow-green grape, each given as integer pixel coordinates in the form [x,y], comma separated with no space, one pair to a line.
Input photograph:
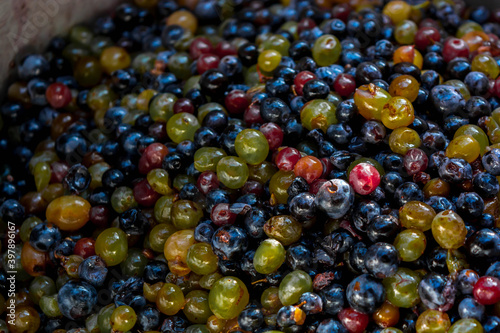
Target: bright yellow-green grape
[398,112]
[464,146]
[96,171]
[252,146]
[402,288]
[417,215]
[207,108]
[207,158]
[318,113]
[182,126]
[270,299]
[123,318]
[468,325]
[42,175]
[104,318]
[208,281]
[159,235]
[196,308]
[433,321]
[405,32]
[123,199]
[186,214]
[161,107]
[476,132]
[41,286]
[176,250]
[163,208]
[486,64]
[228,297]
[466,27]
[111,245]
[397,11]
[293,285]
[201,259]
[27,226]
[114,58]
[159,180]
[179,64]
[232,171]
[326,50]
[48,305]
[134,264]
[461,86]
[270,255]
[43,156]
[449,230]
[410,244]
[268,61]
[278,43]
[284,228]
[279,184]
[403,139]
[143,99]
[262,172]
[291,27]
[370,100]
[406,86]
[170,299]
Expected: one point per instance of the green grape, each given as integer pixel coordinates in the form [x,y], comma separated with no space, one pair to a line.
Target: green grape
[318,113]
[461,86]
[100,98]
[278,43]
[163,209]
[279,184]
[42,175]
[181,180]
[196,308]
[91,323]
[261,172]
[391,330]
[75,51]
[111,245]
[476,132]
[284,228]
[41,286]
[403,139]
[48,304]
[207,158]
[123,318]
[201,259]
[252,146]
[182,126]
[486,64]
[293,285]
[170,299]
[417,215]
[98,44]
[104,318]
[208,281]
[144,62]
[215,325]
[402,288]
[192,83]
[161,107]
[134,264]
[159,181]
[180,65]
[186,214]
[270,299]
[449,230]
[123,199]
[80,34]
[405,32]
[159,235]
[433,321]
[370,99]
[468,325]
[410,244]
[467,27]
[268,61]
[96,171]
[269,256]
[326,50]
[27,226]
[232,171]
[228,297]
